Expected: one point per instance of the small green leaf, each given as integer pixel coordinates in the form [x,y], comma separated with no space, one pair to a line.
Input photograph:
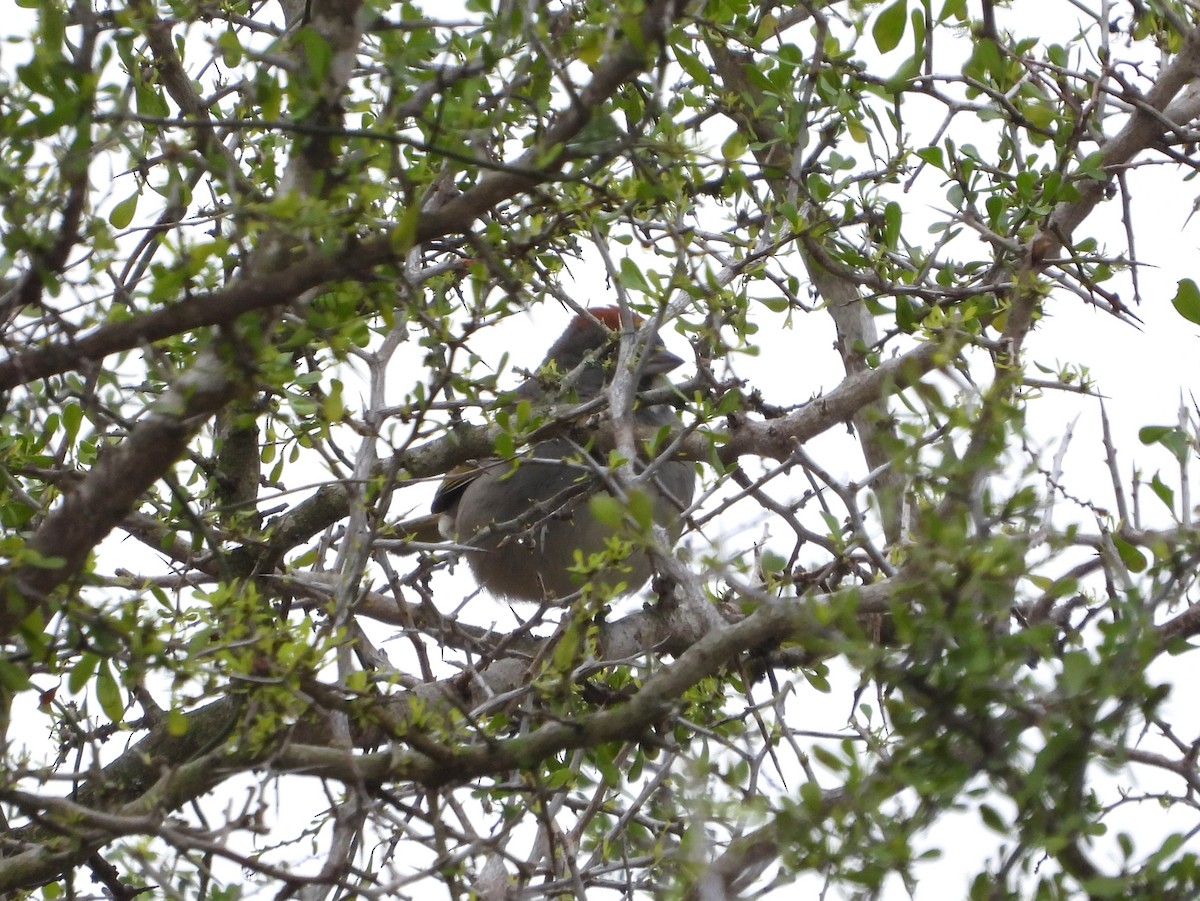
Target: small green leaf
[1152,434]
[550,156]
[1106,887]
[1174,440]
[607,768]
[908,70]
[108,693]
[12,677]
[334,408]
[72,417]
[1133,558]
[906,316]
[122,213]
[606,510]
[631,276]
[1076,673]
[892,216]
[1169,846]
[81,672]
[524,414]
[766,28]
[889,27]
[933,156]
[317,52]
[1092,166]
[1187,300]
[992,819]
[231,47]
[505,446]
[150,102]
[566,651]
[811,796]
[692,65]
[772,564]
[641,507]
[817,678]
[955,10]
[1164,493]
[828,758]
[598,135]
[734,148]
[404,234]
[591,50]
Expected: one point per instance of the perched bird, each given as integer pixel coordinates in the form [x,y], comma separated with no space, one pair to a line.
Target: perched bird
[530,518]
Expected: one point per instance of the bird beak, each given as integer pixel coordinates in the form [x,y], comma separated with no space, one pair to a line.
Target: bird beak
[660,360]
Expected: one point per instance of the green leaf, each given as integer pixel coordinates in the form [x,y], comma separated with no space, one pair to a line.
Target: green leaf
[608,770]
[404,234]
[600,134]
[992,819]
[1174,440]
[566,652]
[81,673]
[1134,559]
[1187,300]
[108,693]
[334,407]
[631,276]
[1076,673]
[828,758]
[767,27]
[735,147]
[1164,493]
[549,156]
[72,417]
[906,315]
[892,217]
[908,70]
[817,678]
[150,102]
[1152,434]
[641,507]
[505,445]
[1106,887]
[606,510]
[955,10]
[933,156]
[318,52]
[692,65]
[231,47]
[1092,166]
[889,27]
[772,564]
[12,677]
[122,213]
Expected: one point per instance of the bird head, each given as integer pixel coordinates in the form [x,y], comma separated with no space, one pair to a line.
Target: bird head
[581,360]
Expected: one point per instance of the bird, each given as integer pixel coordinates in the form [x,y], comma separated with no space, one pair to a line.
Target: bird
[529,522]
